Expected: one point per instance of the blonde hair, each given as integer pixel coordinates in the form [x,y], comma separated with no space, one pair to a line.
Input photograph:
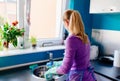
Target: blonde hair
[76,26]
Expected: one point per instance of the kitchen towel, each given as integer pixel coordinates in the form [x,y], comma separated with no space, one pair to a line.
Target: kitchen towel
[94,52]
[116,58]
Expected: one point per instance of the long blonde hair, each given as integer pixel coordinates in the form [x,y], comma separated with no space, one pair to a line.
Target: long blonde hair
[76,26]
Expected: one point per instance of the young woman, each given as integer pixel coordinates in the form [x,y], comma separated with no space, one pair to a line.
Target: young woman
[76,61]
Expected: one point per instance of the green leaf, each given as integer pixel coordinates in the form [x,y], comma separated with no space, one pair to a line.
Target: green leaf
[10,33]
[6,26]
[1,45]
[33,40]
[1,31]
[14,42]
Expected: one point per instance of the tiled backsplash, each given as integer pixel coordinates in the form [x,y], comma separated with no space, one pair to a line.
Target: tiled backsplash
[109,39]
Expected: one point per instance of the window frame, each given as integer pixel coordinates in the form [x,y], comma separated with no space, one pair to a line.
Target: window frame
[17,17]
[23,9]
[23,15]
[20,18]
[59,40]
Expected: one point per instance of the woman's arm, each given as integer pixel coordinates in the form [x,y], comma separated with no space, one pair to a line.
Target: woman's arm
[68,57]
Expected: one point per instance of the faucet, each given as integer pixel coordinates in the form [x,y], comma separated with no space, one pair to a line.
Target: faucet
[47,44]
[51,58]
[50,63]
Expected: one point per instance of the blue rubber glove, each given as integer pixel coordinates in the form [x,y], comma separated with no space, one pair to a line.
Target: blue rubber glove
[49,64]
[49,74]
[33,66]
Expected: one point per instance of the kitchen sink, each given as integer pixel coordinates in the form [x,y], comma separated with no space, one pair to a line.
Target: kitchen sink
[38,75]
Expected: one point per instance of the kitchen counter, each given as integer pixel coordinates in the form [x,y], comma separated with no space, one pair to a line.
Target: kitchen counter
[30,50]
[22,57]
[16,58]
[106,70]
[103,72]
[25,74]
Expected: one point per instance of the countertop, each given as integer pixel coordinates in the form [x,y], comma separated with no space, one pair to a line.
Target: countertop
[30,50]
[106,69]
[103,72]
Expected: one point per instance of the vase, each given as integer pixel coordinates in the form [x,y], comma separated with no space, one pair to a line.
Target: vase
[34,46]
[6,45]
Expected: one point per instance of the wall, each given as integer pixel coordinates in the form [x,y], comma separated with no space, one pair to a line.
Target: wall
[104,27]
[106,32]
[106,21]
[83,7]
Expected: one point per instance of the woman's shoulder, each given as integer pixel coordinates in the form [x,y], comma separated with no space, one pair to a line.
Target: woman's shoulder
[73,38]
[71,42]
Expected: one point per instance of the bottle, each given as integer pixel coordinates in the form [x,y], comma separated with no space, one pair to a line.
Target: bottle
[51,58]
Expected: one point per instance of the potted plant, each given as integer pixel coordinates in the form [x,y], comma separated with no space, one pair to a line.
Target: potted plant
[33,41]
[10,33]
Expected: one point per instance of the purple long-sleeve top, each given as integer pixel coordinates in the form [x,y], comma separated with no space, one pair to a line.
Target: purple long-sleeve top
[76,55]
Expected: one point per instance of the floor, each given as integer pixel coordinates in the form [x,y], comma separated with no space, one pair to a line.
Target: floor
[25,74]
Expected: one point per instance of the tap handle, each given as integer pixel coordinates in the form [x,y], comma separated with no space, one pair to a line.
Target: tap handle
[50,56]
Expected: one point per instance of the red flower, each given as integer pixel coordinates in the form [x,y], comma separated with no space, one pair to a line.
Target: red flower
[5,43]
[22,34]
[14,23]
[10,33]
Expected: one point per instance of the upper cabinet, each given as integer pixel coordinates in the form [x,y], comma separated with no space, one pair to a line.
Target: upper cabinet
[104,6]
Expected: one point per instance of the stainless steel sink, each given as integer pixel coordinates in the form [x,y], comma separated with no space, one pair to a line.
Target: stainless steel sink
[38,75]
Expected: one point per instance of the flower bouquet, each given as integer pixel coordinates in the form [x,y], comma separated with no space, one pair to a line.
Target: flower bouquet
[9,34]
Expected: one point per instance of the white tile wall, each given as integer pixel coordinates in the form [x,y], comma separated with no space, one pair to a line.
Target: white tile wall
[109,39]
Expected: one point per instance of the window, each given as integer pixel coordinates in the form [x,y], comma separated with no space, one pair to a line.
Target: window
[46,23]
[12,10]
[8,9]
[45,19]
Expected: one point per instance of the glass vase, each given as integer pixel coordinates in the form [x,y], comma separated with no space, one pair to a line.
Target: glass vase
[6,46]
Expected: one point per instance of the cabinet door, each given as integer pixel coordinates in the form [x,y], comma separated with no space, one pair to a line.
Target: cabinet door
[101,78]
[104,6]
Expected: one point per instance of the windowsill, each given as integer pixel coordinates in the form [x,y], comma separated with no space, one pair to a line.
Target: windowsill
[30,50]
